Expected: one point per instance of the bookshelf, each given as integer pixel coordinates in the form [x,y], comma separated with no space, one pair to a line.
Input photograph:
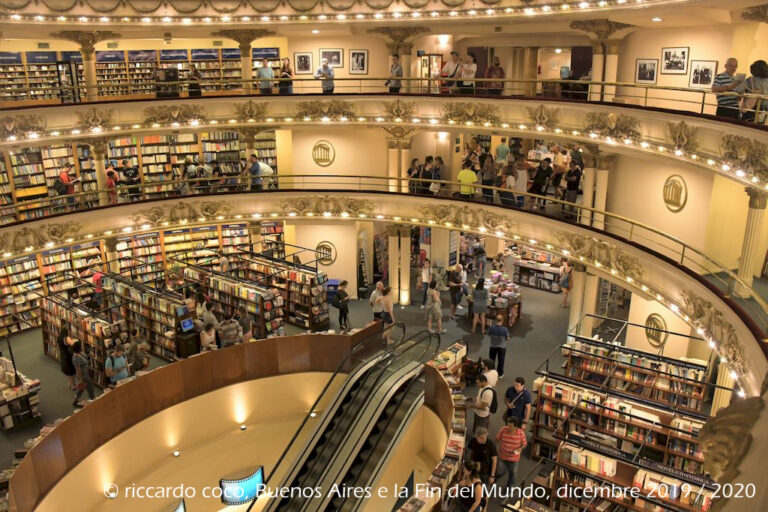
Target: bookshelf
[13,76]
[208,62]
[647,376]
[147,248]
[222,146]
[231,67]
[27,287]
[112,73]
[54,158]
[57,269]
[183,145]
[7,215]
[141,70]
[265,147]
[202,238]
[87,172]
[155,163]
[272,238]
[29,181]
[20,399]
[235,238]
[630,426]
[43,80]
[6,303]
[123,148]
[537,269]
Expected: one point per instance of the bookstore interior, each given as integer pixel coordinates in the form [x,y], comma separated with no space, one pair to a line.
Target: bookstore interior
[192,314]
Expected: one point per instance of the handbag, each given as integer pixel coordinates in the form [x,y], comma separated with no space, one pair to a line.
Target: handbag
[434,187]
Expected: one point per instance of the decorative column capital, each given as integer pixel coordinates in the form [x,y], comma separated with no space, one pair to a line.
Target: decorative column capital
[756,13]
[399,143]
[86,40]
[602,29]
[243,37]
[612,46]
[99,146]
[757,198]
[579,267]
[397,37]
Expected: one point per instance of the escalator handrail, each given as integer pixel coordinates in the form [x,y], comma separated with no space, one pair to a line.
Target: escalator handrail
[311,411]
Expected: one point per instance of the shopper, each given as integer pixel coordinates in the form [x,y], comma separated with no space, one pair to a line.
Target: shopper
[482,403]
[83,381]
[414,173]
[116,365]
[208,338]
[452,70]
[488,175]
[65,343]
[111,186]
[266,75]
[522,184]
[511,442]
[455,289]
[195,77]
[325,74]
[434,312]
[541,182]
[342,302]
[572,180]
[489,370]
[223,263]
[480,260]
[139,357]
[754,109]
[497,72]
[468,72]
[469,490]
[387,311]
[374,302]
[208,316]
[246,324]
[518,401]
[502,153]
[509,176]
[98,288]
[286,77]
[66,183]
[467,178]
[483,451]
[425,279]
[566,281]
[726,82]
[254,171]
[229,331]
[395,74]
[132,179]
[499,335]
[438,173]
[427,174]
[479,305]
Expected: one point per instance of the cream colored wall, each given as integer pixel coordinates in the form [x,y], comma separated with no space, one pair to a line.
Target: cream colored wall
[727,220]
[550,62]
[429,143]
[341,234]
[206,432]
[639,310]
[359,151]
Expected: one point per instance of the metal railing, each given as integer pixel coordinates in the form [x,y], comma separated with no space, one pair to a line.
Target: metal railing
[685,99]
[671,247]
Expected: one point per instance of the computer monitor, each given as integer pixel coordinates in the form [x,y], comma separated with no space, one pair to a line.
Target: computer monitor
[243,490]
[187,325]
[565,72]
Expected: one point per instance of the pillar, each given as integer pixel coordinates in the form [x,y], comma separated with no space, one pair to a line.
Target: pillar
[749,249]
[722,397]
[601,197]
[404,51]
[518,63]
[588,196]
[244,37]
[87,42]
[89,75]
[393,255]
[398,156]
[440,247]
[246,66]
[589,304]
[405,267]
[531,69]
[579,277]
[598,65]
[611,68]
[99,149]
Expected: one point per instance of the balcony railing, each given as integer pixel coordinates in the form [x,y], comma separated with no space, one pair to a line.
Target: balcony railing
[754,108]
[630,230]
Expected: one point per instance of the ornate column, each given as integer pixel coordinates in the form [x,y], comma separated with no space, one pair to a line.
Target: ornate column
[393,257]
[397,40]
[244,37]
[398,155]
[518,64]
[99,149]
[87,42]
[530,70]
[589,304]
[579,277]
[752,232]
[405,266]
[598,70]
[588,195]
[599,31]
[611,67]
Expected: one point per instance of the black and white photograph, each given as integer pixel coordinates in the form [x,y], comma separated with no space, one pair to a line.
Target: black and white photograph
[674,61]
[302,63]
[702,73]
[646,70]
[358,62]
[335,56]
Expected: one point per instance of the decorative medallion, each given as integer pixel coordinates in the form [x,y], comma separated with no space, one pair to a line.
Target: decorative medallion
[543,116]
[20,126]
[168,114]
[325,253]
[56,233]
[603,29]
[746,154]
[92,118]
[250,110]
[655,325]
[334,109]
[336,205]
[176,212]
[683,136]
[618,126]
[323,153]
[465,112]
[675,193]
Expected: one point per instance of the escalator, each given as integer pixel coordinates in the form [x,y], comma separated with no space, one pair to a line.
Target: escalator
[363,424]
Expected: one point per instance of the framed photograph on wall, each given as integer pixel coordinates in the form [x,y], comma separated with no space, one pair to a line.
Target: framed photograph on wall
[358,62]
[674,61]
[335,56]
[702,73]
[302,63]
[646,71]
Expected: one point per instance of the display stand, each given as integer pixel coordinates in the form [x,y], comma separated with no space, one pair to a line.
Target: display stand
[20,400]
[505,299]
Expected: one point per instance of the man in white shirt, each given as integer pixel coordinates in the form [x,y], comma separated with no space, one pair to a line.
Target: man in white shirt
[482,403]
[452,69]
[326,75]
[372,301]
[489,370]
[266,74]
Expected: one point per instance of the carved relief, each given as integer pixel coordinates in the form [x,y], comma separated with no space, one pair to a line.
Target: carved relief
[461,112]
[399,109]
[55,232]
[92,118]
[619,126]
[250,110]
[20,126]
[174,213]
[167,114]
[756,13]
[333,109]
[318,205]
[602,29]
[543,116]
[608,255]
[465,215]
[399,132]
[683,136]
[243,37]
[744,153]
[86,40]
[398,36]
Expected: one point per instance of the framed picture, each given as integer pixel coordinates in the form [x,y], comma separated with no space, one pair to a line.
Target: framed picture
[646,71]
[358,62]
[702,73]
[302,63]
[335,56]
[674,61]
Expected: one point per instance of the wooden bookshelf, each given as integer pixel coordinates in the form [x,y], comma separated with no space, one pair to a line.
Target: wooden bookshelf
[43,81]
[231,68]
[272,243]
[124,148]
[13,77]
[112,73]
[156,163]
[87,173]
[54,159]
[224,147]
[29,182]
[537,269]
[25,282]
[7,214]
[265,147]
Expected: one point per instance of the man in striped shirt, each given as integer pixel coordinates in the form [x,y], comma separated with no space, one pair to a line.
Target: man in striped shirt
[511,441]
[727,104]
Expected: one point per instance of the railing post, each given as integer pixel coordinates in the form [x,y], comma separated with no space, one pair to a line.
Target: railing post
[682,255]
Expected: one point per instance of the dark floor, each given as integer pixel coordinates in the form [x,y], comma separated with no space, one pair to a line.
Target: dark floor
[541,329]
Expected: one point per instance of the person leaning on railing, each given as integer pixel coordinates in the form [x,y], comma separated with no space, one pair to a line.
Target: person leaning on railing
[727,104]
[395,72]
[753,109]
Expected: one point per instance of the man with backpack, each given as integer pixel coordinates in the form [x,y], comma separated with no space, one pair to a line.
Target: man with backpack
[64,184]
[116,365]
[484,404]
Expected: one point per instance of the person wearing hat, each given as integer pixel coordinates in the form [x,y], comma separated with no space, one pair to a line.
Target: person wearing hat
[541,181]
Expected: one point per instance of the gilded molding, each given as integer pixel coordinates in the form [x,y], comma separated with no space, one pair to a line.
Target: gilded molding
[333,109]
[243,37]
[20,126]
[55,232]
[167,114]
[318,205]
[86,40]
[746,154]
[399,109]
[463,112]
[756,13]
[99,145]
[608,255]
[248,133]
[92,118]
[602,29]
[398,142]
[758,199]
[174,213]
[250,110]
[683,136]
[466,215]
[619,126]
[397,37]
[543,116]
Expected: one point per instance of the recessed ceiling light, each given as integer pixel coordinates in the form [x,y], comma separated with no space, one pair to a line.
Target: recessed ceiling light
[656,19]
[558,50]
[315,31]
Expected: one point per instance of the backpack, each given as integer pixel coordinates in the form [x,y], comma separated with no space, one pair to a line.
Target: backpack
[336,302]
[494,400]
[59,187]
